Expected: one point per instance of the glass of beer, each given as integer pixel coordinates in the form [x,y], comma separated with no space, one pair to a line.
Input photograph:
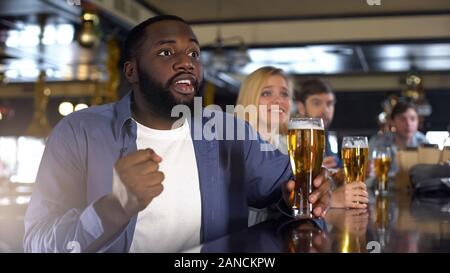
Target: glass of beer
[306,145]
[355,157]
[382,157]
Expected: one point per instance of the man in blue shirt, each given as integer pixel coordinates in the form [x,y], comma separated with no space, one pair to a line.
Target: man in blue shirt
[98,185]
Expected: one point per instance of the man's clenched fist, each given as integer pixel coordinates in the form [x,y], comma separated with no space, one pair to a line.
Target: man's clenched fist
[139,173]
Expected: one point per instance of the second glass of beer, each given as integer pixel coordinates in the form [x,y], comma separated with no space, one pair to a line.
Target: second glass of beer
[355,156]
[306,145]
[382,157]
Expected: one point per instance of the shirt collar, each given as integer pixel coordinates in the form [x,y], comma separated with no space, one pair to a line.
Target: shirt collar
[122,111]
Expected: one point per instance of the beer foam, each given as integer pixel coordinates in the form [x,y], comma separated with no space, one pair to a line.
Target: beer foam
[356,144]
[301,124]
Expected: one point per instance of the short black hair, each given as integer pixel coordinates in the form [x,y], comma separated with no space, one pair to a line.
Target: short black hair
[312,86]
[401,107]
[136,35]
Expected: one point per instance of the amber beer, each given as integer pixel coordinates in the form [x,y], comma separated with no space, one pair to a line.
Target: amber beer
[355,157]
[300,238]
[350,242]
[382,213]
[306,145]
[382,165]
[382,157]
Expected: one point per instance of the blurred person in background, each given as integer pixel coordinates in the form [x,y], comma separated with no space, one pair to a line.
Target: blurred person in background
[315,98]
[404,120]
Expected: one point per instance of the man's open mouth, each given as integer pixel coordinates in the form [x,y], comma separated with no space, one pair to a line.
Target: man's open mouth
[184,84]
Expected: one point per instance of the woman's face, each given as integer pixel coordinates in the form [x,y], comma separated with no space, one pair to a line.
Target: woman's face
[276,97]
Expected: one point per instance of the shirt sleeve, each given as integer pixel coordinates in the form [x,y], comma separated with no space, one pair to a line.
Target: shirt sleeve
[128,201]
[266,171]
[58,218]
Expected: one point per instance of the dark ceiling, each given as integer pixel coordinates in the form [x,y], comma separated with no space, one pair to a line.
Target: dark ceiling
[382,53]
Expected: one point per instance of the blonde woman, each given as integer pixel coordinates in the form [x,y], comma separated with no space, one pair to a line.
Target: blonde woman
[270,90]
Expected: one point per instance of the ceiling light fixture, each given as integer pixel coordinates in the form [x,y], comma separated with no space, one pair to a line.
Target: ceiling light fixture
[222,60]
[89,35]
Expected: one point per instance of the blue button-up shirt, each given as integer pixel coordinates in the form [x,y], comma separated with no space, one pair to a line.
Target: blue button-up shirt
[76,170]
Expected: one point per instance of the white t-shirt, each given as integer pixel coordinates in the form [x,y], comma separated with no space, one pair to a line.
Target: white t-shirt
[172,221]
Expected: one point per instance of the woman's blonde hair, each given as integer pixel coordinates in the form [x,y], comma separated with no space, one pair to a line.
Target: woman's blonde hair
[250,92]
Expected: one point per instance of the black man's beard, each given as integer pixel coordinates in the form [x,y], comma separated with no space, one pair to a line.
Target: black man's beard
[158,98]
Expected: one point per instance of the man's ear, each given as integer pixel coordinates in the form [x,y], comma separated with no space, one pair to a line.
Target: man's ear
[300,108]
[130,72]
